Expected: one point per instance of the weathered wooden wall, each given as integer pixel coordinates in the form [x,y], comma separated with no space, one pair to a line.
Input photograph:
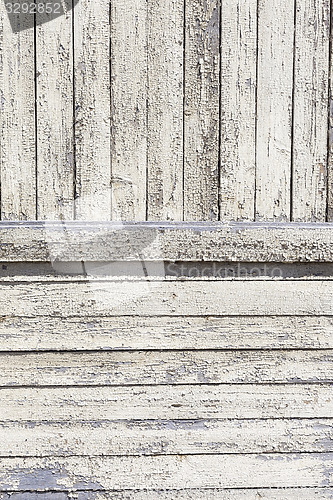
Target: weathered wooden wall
[168,110]
[167,361]
[125,375]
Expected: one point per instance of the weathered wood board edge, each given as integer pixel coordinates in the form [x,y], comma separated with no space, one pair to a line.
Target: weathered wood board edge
[123,241]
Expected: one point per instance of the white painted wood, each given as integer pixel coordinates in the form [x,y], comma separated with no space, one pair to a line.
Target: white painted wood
[223,471]
[311,83]
[238,109]
[92,110]
[274,109]
[55,149]
[189,494]
[17,119]
[138,332]
[330,143]
[151,367]
[201,113]
[154,298]
[166,402]
[123,438]
[107,242]
[165,110]
[129,95]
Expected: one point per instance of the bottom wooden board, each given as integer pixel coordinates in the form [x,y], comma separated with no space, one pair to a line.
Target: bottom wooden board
[167,472]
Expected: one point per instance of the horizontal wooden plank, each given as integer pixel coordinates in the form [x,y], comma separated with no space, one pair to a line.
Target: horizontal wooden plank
[200,471]
[151,367]
[189,494]
[165,437]
[160,298]
[132,333]
[166,402]
[234,242]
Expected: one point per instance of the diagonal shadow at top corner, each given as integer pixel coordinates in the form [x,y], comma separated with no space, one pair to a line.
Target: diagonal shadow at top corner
[23,14]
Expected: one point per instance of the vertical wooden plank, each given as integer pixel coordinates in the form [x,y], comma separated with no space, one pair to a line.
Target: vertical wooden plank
[311,83]
[165,109]
[55,159]
[238,108]
[201,120]
[274,109]
[17,117]
[92,109]
[330,125]
[129,108]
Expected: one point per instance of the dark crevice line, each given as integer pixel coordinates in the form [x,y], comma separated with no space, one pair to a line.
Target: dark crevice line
[158,421]
[184,106]
[256,118]
[74,115]
[151,350]
[168,490]
[170,454]
[151,280]
[205,384]
[126,386]
[36,113]
[148,20]
[111,111]
[219,167]
[169,350]
[329,119]
[292,159]
[154,316]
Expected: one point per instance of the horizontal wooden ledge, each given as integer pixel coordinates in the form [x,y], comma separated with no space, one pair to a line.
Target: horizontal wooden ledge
[22,272]
[165,437]
[119,241]
[190,298]
[168,472]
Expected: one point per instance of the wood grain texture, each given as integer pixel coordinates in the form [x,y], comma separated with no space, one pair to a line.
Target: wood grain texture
[311,493]
[159,298]
[135,333]
[17,119]
[165,437]
[201,113]
[129,95]
[311,82]
[55,148]
[61,404]
[238,242]
[238,109]
[169,368]
[330,135]
[92,110]
[223,471]
[165,110]
[274,109]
